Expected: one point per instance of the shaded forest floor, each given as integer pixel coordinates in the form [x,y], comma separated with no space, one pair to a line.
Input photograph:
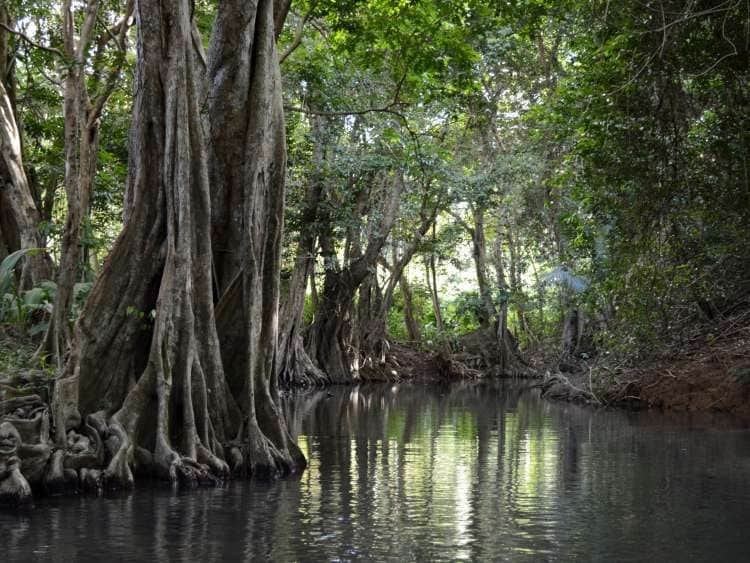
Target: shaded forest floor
[708,372]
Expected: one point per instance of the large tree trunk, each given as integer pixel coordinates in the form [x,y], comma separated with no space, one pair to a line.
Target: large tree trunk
[328,341]
[479,252]
[371,327]
[410,320]
[505,342]
[148,355]
[81,131]
[19,217]
[295,366]
[247,126]
[431,279]
[329,337]
[81,147]
[516,285]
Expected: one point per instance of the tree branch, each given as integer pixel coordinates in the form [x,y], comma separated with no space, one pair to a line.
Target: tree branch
[111,82]
[31,42]
[388,108]
[298,33]
[460,221]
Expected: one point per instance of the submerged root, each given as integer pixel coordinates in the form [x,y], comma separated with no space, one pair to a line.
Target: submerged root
[118,474]
[256,456]
[14,489]
[59,480]
[91,480]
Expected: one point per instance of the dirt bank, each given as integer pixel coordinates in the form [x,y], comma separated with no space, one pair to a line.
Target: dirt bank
[709,372]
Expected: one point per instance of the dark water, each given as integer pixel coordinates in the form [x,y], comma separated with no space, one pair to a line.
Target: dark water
[415,473]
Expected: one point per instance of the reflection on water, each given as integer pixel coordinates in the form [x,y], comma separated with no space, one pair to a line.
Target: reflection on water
[460,473]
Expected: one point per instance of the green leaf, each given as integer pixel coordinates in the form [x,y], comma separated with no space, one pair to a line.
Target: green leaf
[9,264]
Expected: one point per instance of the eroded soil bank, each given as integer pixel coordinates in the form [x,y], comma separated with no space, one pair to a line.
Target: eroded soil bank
[708,372]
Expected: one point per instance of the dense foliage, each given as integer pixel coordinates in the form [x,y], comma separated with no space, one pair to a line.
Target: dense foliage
[555,163]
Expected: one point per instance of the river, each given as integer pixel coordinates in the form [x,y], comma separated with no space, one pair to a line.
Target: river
[409,472]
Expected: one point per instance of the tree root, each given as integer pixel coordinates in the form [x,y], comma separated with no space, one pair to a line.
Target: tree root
[14,489]
[255,456]
[452,369]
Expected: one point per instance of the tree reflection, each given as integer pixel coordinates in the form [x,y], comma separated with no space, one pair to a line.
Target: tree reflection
[477,472]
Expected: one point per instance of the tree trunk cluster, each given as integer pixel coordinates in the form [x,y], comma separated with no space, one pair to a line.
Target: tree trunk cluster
[173,367]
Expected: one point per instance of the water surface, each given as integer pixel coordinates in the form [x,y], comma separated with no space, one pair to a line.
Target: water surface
[403,473]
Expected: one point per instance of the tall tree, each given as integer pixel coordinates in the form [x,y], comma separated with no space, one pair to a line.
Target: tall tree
[82,119]
[19,216]
[150,319]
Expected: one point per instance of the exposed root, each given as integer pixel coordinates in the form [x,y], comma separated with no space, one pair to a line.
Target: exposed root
[14,489]
[217,466]
[91,480]
[58,479]
[255,456]
[118,474]
[452,369]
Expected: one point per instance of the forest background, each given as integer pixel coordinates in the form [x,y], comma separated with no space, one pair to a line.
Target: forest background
[522,186]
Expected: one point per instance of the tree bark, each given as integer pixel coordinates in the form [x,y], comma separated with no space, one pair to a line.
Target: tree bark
[81,132]
[329,336]
[431,279]
[19,217]
[247,126]
[479,251]
[148,356]
[295,366]
[504,339]
[412,326]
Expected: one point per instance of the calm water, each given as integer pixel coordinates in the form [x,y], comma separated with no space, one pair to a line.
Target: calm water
[416,473]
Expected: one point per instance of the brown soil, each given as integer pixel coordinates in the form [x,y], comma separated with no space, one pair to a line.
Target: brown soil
[711,372]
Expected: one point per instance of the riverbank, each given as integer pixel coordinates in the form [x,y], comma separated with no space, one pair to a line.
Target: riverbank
[710,371]
[404,363]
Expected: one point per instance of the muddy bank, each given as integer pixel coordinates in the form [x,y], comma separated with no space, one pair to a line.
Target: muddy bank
[709,372]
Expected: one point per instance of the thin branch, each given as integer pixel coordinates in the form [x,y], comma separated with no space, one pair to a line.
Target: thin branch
[112,78]
[53,81]
[726,56]
[723,7]
[92,9]
[298,33]
[388,108]
[31,42]
[384,109]
[460,220]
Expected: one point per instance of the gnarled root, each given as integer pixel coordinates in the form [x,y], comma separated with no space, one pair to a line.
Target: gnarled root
[91,480]
[14,489]
[118,474]
[58,479]
[34,459]
[188,472]
[217,466]
[254,455]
